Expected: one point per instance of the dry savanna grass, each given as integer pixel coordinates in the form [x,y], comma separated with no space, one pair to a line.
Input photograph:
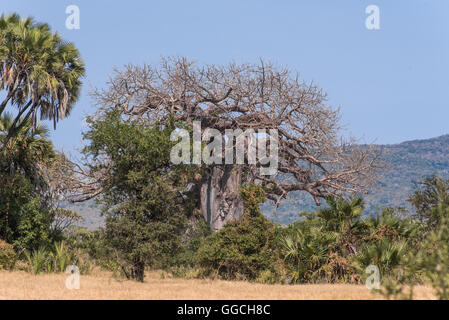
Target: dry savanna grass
[102,285]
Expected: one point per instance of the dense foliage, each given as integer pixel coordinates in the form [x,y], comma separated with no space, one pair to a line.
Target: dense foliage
[242,249]
[28,209]
[143,196]
[40,73]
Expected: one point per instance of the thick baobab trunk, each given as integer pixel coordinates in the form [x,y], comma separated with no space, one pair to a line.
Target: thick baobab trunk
[220,199]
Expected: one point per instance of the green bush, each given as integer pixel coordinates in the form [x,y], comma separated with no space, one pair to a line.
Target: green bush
[242,249]
[428,264]
[57,258]
[61,257]
[8,256]
[386,254]
[39,260]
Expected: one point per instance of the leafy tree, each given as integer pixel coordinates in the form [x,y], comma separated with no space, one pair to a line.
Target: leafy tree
[144,195]
[427,264]
[428,193]
[28,152]
[337,243]
[27,206]
[39,72]
[342,216]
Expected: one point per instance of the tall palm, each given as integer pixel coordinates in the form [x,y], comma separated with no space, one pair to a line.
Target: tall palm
[39,72]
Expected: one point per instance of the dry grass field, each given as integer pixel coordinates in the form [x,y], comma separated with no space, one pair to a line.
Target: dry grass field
[102,285]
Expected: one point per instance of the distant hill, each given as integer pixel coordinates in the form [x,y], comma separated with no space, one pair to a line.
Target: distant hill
[407,161]
[89,210]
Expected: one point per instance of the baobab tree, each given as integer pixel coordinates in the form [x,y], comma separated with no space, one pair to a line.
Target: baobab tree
[313,157]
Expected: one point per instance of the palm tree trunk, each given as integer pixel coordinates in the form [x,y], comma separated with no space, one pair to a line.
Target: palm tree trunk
[13,130]
[10,95]
[4,103]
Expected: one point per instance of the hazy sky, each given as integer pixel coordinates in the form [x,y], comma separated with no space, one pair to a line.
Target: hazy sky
[392,84]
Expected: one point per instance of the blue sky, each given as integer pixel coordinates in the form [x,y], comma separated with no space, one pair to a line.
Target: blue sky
[391,84]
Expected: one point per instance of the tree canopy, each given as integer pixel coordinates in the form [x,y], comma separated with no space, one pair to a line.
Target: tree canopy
[40,72]
[313,156]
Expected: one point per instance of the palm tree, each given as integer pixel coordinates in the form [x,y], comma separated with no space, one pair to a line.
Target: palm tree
[386,254]
[28,152]
[26,155]
[40,72]
[308,250]
[344,217]
[394,224]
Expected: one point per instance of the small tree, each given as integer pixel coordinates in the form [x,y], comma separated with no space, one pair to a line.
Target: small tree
[428,193]
[429,263]
[145,196]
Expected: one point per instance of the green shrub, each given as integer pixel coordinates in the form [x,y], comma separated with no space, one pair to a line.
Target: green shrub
[25,221]
[196,231]
[185,272]
[8,256]
[276,274]
[61,257]
[428,264]
[305,249]
[386,254]
[242,249]
[39,260]
[57,258]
